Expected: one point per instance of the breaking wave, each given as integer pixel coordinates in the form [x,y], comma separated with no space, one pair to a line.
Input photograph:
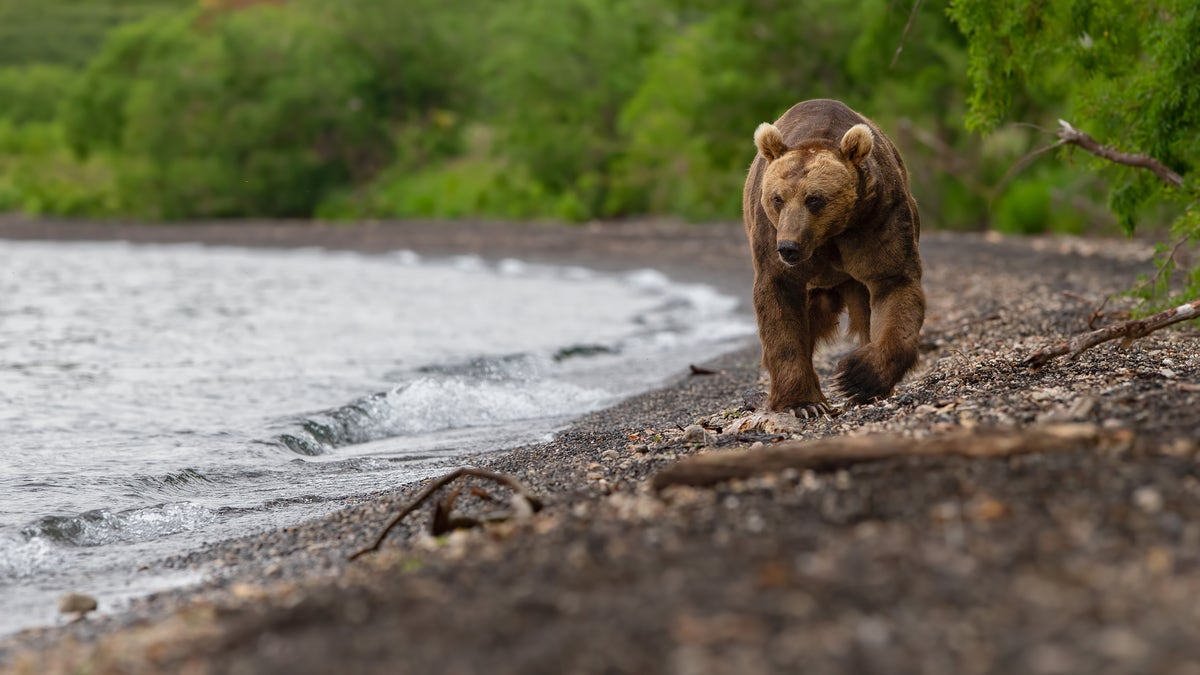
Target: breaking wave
[476,393]
[102,526]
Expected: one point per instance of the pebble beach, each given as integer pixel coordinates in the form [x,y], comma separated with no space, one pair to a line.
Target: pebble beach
[1080,558]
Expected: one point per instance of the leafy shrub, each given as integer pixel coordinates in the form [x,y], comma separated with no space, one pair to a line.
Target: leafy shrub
[39,175]
[1125,71]
[258,111]
[479,187]
[33,93]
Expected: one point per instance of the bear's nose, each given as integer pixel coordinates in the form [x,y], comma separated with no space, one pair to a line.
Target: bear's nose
[789,251]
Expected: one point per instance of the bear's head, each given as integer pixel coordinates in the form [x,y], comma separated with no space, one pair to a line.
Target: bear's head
[810,190]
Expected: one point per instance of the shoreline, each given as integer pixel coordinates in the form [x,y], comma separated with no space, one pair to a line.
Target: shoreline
[868,567]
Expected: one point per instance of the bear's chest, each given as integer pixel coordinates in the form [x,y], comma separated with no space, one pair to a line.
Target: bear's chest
[826,267]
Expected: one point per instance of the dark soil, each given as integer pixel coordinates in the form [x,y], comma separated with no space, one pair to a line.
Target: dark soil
[1081,560]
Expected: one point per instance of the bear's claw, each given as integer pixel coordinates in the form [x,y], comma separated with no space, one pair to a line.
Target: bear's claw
[812,410]
[858,380]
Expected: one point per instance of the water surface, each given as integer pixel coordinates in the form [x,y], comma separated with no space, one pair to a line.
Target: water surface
[156,396]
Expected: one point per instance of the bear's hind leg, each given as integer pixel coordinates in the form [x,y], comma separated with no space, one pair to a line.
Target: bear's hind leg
[858,304]
[824,307]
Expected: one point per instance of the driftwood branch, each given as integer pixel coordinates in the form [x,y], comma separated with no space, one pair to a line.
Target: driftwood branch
[842,451]
[438,483]
[1128,331]
[1073,136]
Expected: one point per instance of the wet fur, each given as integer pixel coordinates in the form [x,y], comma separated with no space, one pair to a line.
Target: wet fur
[857,252]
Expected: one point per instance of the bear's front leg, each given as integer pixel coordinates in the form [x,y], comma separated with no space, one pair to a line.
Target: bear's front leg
[781,306]
[897,312]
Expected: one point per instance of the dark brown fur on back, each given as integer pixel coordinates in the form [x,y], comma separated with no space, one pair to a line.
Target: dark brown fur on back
[829,192]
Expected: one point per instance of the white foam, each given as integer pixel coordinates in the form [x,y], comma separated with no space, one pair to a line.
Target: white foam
[647,280]
[511,267]
[21,557]
[430,404]
[99,527]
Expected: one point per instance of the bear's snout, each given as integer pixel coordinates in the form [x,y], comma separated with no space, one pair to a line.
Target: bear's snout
[790,252]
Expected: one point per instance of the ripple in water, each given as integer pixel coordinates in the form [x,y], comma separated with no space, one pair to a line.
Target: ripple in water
[101,526]
[477,393]
[159,390]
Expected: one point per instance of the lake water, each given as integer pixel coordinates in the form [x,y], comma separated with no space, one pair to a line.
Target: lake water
[153,397]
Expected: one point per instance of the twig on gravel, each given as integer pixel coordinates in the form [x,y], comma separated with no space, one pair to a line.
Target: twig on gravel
[833,453]
[1127,330]
[513,484]
[1097,313]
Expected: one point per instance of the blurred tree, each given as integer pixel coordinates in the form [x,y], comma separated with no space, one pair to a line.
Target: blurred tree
[1125,71]
[553,83]
[255,111]
[67,32]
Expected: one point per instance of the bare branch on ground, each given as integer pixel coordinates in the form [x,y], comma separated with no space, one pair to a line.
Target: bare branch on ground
[842,451]
[513,484]
[1128,331]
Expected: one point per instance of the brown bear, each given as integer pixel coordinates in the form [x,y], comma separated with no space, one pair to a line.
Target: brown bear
[832,227]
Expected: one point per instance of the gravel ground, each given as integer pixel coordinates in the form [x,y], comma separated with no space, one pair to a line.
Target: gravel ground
[1085,559]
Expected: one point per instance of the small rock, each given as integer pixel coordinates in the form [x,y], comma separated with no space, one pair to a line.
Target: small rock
[1081,408]
[1148,499]
[1159,560]
[986,507]
[609,455]
[694,434]
[1167,373]
[77,603]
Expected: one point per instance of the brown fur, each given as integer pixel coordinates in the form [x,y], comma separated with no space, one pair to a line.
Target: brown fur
[830,191]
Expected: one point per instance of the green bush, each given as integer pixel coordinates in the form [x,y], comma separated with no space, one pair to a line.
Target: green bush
[67,32]
[40,175]
[1125,71]
[33,93]
[477,187]
[259,111]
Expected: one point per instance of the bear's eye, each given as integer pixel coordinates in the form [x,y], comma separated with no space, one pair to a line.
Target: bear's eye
[777,200]
[814,202]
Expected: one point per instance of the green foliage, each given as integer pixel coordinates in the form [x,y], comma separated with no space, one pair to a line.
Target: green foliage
[554,82]
[1041,202]
[38,174]
[256,111]
[575,109]
[33,93]
[1125,71]
[67,32]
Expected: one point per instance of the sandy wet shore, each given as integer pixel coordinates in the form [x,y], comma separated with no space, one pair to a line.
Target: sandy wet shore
[1085,558]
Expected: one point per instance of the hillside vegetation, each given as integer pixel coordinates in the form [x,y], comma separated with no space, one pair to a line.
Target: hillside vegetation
[584,109]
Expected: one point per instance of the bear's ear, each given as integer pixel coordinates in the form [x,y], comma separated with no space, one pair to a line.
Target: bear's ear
[857,143]
[769,141]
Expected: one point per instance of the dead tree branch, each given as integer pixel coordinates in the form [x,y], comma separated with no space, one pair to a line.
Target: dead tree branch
[842,451]
[1128,331]
[1069,134]
[513,484]
[907,27]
